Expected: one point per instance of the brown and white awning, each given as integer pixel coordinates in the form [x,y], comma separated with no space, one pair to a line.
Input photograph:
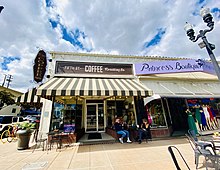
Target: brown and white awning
[29,97]
[93,87]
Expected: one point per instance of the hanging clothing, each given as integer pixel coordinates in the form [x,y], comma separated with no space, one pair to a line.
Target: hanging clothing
[198,116]
[149,118]
[203,118]
[210,113]
[206,112]
[191,122]
[213,112]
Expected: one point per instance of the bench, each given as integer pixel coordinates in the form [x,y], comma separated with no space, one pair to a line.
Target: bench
[133,133]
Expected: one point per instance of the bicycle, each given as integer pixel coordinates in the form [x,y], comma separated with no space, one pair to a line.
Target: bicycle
[9,134]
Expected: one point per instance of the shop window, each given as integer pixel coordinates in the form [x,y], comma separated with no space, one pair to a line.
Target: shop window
[13,110]
[111,112]
[78,121]
[66,116]
[156,114]
[121,109]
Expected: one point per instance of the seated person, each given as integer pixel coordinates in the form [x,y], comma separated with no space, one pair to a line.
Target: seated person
[121,131]
[144,129]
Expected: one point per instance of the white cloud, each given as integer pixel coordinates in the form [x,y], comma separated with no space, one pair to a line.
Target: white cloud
[110,26]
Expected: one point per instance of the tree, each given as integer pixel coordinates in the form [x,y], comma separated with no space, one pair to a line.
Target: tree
[6,98]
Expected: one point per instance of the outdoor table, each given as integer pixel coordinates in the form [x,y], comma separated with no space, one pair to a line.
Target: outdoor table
[60,137]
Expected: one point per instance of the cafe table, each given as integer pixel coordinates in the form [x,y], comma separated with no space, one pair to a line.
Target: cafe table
[60,137]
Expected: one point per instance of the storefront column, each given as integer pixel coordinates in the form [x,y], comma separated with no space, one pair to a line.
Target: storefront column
[164,111]
[51,113]
[46,117]
[168,109]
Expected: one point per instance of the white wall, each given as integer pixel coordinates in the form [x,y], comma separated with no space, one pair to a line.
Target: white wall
[7,110]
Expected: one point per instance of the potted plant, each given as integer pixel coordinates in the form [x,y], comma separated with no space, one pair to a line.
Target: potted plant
[25,129]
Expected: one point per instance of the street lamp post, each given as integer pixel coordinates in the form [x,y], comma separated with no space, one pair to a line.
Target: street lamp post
[207,18]
[1,8]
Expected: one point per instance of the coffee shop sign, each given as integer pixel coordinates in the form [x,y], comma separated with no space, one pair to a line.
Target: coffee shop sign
[177,66]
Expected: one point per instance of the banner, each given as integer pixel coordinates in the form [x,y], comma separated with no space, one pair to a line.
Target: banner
[173,66]
[70,67]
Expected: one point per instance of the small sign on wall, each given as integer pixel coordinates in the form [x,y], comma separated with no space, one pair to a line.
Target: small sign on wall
[69,128]
[46,114]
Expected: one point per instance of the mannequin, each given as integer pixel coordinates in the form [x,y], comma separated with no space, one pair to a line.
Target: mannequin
[214,116]
[203,119]
[191,122]
[198,117]
[207,116]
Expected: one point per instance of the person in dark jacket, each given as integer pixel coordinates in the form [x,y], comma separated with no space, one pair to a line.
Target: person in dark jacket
[119,130]
[144,129]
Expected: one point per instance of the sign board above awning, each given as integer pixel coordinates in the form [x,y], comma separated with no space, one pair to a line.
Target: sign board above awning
[177,66]
[91,68]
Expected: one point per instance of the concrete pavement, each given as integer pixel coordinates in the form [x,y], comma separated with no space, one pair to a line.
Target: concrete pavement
[153,155]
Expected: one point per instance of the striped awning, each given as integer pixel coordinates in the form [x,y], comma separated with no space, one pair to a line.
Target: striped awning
[93,87]
[29,97]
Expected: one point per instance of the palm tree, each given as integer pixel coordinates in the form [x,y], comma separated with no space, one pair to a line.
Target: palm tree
[6,98]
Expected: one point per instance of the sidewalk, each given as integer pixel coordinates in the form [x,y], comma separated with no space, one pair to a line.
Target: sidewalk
[153,155]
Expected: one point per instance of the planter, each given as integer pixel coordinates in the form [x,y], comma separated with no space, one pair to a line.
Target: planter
[23,139]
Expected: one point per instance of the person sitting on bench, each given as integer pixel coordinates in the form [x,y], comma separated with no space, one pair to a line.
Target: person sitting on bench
[119,130]
[144,130]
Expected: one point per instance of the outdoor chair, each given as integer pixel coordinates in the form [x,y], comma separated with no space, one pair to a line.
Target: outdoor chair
[205,142]
[174,157]
[205,150]
[200,143]
[40,141]
[54,138]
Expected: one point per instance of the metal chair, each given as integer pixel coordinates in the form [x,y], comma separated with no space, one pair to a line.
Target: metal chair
[204,149]
[174,157]
[200,143]
[215,159]
[54,137]
[40,141]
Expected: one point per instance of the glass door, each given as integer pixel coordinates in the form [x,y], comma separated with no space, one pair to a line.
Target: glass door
[91,117]
[95,118]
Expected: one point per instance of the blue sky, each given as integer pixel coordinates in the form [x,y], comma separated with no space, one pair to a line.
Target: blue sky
[149,28]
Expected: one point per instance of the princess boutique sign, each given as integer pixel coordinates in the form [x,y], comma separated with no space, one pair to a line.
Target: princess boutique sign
[177,66]
[70,67]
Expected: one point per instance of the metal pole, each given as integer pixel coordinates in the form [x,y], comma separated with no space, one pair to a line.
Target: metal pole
[9,80]
[4,81]
[212,56]
[1,8]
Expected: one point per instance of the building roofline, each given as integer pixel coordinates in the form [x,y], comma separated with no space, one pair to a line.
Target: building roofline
[117,56]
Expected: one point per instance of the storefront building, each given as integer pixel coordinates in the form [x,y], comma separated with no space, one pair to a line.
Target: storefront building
[177,85]
[87,92]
